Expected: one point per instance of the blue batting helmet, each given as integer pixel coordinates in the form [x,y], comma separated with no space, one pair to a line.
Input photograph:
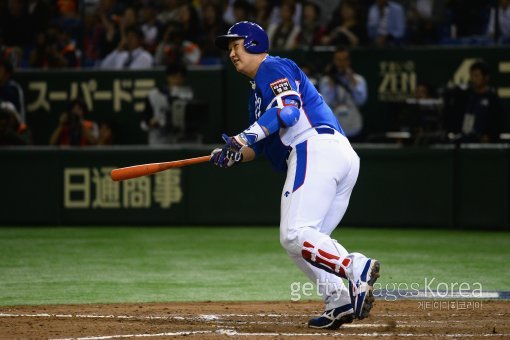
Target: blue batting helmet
[255,38]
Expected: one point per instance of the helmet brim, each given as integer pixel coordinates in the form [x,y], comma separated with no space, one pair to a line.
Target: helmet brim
[223,40]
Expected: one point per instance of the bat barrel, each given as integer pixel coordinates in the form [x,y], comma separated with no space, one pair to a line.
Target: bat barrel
[129,172]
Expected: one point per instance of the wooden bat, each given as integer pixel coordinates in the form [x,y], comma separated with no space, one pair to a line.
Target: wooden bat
[122,174]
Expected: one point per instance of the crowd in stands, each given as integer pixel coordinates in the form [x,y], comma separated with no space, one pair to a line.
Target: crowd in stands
[140,34]
[73,33]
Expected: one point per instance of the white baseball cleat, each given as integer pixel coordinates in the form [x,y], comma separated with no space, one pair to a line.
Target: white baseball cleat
[365,274]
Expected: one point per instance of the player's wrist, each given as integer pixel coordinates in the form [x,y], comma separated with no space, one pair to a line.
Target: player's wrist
[240,141]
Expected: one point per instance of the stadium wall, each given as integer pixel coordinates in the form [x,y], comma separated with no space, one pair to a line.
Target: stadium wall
[436,187]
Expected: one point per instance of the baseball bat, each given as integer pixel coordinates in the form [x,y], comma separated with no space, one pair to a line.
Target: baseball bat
[129,172]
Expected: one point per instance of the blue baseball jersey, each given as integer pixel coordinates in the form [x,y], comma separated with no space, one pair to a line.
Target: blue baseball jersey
[277,80]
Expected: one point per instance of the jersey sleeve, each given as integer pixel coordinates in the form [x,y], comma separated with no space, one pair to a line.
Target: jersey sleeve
[258,148]
[278,84]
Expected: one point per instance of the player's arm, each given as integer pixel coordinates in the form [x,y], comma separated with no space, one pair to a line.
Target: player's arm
[225,157]
[248,154]
[270,122]
[242,148]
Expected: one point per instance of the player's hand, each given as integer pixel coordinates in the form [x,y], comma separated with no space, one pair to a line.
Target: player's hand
[235,143]
[225,158]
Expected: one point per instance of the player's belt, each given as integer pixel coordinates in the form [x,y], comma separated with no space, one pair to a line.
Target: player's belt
[325,130]
[319,130]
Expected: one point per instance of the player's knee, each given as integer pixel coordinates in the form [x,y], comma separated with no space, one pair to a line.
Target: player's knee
[283,241]
[289,241]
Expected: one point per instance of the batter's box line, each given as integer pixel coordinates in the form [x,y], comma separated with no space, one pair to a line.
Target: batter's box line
[234,333]
[201,317]
[214,318]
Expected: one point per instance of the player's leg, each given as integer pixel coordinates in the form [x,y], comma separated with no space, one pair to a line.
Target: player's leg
[309,206]
[361,293]
[336,211]
[337,300]
[329,286]
[341,202]
[315,170]
[306,202]
[332,286]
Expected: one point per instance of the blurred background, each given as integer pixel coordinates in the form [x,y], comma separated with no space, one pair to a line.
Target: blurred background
[421,87]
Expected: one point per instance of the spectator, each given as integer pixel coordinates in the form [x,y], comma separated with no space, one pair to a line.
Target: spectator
[237,10]
[326,9]
[54,50]
[474,114]
[386,23]
[424,20]
[104,35]
[107,133]
[174,49]
[311,29]
[284,35]
[12,130]
[344,91]
[113,30]
[67,49]
[73,128]
[130,54]
[15,24]
[69,19]
[39,15]
[469,17]
[12,54]
[128,20]
[346,28]
[422,116]
[190,23]
[10,90]
[228,12]
[263,10]
[276,17]
[501,32]
[150,26]
[423,91]
[213,26]
[166,107]
[242,10]
[110,7]
[38,55]
[170,12]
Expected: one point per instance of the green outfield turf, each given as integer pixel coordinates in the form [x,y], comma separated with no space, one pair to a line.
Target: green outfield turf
[115,264]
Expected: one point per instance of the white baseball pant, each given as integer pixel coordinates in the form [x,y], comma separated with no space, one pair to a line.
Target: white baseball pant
[321,175]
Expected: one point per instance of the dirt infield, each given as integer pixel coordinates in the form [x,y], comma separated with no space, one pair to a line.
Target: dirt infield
[405,318]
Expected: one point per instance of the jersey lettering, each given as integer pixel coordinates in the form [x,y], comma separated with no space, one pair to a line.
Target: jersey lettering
[258,104]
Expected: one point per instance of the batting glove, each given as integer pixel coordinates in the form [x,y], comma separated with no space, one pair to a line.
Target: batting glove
[235,143]
[225,158]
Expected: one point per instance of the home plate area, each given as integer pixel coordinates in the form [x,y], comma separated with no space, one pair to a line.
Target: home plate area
[401,318]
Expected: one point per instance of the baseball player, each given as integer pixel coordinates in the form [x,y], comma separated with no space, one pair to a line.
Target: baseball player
[297,132]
